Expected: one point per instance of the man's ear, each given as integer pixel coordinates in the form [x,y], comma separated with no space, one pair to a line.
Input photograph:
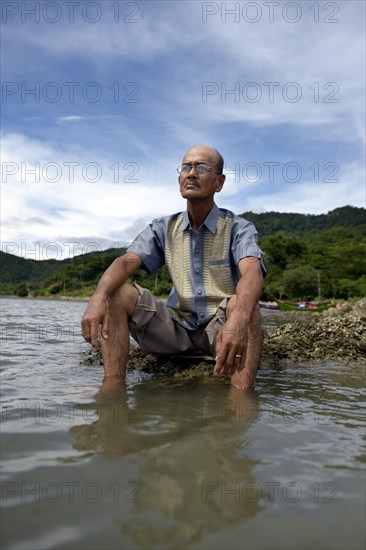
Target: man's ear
[220,183]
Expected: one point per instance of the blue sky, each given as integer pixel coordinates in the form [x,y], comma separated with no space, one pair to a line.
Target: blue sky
[100,100]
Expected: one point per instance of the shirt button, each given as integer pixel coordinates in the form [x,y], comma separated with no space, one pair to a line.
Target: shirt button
[199,292]
[202,314]
[196,250]
[197,270]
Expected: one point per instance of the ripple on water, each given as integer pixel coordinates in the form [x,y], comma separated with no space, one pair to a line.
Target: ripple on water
[178,464]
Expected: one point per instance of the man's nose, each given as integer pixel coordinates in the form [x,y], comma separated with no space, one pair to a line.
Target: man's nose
[193,167]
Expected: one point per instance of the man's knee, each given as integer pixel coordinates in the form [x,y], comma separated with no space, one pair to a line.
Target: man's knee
[124,299]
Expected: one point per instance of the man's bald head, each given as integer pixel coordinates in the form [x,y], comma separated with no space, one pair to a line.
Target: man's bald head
[212,155]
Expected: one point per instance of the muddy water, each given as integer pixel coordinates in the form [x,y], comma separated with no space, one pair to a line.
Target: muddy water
[172,464]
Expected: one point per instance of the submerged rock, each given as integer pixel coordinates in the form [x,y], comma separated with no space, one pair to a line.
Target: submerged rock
[337,335]
[179,367]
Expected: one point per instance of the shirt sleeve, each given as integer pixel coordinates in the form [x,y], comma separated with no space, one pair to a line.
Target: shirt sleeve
[149,246]
[245,242]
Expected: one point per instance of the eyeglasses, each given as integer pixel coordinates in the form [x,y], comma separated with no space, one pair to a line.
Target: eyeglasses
[200,169]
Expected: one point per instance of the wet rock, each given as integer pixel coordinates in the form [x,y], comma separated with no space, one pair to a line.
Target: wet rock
[177,367]
[337,335]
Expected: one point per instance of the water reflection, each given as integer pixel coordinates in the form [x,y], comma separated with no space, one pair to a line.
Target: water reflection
[177,465]
[188,444]
[109,433]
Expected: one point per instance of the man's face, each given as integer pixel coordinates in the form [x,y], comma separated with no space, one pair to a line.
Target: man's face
[196,184]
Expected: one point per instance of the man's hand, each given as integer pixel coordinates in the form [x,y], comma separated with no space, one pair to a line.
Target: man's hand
[95,315]
[238,344]
[231,345]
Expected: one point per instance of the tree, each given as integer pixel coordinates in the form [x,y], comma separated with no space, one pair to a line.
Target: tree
[350,288]
[300,282]
[281,251]
[21,290]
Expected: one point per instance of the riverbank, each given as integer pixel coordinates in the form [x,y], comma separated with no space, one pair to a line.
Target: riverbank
[47,298]
[337,335]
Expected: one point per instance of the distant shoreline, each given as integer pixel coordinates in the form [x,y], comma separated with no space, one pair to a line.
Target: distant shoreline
[48,298]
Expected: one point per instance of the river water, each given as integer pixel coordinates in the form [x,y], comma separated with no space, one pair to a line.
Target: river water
[159,464]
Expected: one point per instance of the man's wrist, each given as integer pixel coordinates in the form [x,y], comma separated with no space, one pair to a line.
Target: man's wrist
[240,315]
[99,296]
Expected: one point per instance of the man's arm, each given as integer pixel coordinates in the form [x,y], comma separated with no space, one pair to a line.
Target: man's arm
[233,338]
[113,278]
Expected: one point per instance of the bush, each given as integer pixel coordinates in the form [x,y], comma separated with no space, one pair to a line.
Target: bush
[300,282]
[21,290]
[350,288]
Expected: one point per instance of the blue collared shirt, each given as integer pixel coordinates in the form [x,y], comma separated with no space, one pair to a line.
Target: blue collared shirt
[203,267]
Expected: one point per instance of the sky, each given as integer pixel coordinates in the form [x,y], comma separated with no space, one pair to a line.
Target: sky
[100,101]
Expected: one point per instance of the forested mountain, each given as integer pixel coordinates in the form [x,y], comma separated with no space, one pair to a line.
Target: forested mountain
[305,225]
[305,255]
[72,276]
[14,269]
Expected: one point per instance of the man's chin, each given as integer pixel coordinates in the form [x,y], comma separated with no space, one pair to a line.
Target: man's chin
[189,193]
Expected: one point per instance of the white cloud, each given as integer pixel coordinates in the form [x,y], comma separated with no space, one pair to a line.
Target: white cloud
[171,52]
[306,196]
[71,118]
[319,65]
[142,35]
[73,209]
[107,213]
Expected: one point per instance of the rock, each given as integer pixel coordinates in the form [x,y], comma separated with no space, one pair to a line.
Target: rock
[177,367]
[337,335]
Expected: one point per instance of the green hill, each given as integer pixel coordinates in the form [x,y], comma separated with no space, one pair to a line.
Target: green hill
[74,276]
[301,225]
[16,270]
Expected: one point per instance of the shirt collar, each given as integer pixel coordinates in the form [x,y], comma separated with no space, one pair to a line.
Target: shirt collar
[210,222]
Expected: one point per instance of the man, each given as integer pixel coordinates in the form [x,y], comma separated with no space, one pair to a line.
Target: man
[217,271]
